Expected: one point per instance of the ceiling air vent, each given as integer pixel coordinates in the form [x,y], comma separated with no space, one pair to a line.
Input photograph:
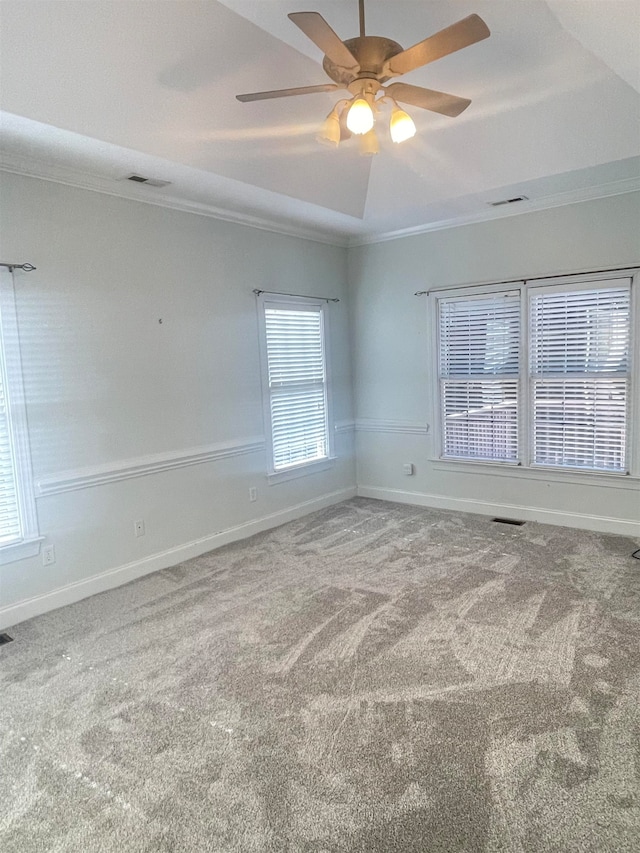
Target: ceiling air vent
[150,182]
[508,201]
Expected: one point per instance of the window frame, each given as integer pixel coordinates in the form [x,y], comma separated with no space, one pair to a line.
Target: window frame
[525,464]
[28,545]
[267,300]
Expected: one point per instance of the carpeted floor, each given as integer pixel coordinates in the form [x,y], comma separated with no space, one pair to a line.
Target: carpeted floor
[372,678]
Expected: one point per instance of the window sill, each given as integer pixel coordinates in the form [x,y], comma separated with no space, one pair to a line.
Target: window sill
[568,475]
[293,473]
[20,550]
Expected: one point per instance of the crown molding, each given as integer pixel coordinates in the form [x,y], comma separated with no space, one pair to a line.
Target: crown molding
[47,171]
[628,185]
[127,469]
[33,167]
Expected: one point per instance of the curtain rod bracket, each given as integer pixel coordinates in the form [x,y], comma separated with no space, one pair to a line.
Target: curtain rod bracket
[421,293]
[25,267]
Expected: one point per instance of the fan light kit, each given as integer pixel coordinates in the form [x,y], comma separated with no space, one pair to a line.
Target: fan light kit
[364,65]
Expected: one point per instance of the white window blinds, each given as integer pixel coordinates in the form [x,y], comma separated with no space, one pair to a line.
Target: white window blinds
[297,383]
[579,365]
[9,506]
[479,384]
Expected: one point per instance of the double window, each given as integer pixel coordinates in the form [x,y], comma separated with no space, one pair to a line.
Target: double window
[296,393]
[537,374]
[18,523]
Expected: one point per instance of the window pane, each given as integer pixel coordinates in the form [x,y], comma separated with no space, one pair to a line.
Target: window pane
[295,347]
[481,420]
[479,336]
[582,332]
[299,426]
[580,423]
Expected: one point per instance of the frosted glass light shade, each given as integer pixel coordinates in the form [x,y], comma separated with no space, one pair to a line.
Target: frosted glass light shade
[360,116]
[402,126]
[330,133]
[369,143]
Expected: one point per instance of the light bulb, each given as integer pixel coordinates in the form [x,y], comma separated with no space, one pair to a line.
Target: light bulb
[360,116]
[369,143]
[401,126]
[330,132]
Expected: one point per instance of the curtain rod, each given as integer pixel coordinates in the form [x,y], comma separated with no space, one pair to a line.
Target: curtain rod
[533,278]
[12,267]
[297,295]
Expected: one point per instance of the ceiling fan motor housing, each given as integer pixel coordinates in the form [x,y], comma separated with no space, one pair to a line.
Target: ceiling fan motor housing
[372,52]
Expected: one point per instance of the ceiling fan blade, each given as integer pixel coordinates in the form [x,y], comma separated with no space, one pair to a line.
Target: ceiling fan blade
[462,34]
[428,99]
[285,93]
[314,26]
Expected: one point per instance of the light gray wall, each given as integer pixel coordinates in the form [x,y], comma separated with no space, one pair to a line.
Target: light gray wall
[390,345]
[107,383]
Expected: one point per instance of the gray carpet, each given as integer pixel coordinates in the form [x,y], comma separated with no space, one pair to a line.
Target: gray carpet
[373,677]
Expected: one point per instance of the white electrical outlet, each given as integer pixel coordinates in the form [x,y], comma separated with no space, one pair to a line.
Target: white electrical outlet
[48,555]
[407,468]
[138,528]
[253,494]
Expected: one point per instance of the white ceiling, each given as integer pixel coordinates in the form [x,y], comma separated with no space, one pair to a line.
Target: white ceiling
[92,91]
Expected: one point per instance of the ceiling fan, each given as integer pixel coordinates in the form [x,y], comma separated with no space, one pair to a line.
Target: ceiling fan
[365,64]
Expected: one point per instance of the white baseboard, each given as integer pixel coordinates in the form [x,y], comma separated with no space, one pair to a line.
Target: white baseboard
[597,523]
[104,581]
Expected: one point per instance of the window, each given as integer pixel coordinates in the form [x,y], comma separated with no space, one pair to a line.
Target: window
[537,374]
[18,525]
[295,383]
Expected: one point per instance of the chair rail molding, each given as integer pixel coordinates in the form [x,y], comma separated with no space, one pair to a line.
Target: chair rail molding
[126,469]
[381,425]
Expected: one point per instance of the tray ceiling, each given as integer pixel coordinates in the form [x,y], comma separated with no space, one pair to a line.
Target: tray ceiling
[103,89]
